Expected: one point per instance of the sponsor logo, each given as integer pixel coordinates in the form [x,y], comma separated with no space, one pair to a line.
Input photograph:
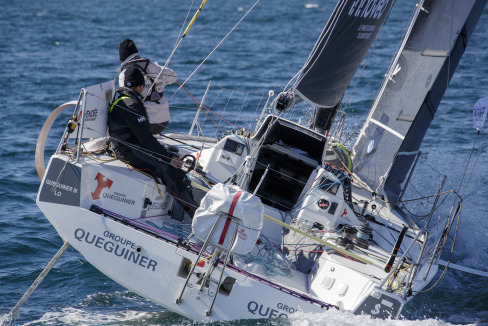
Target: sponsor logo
[91,115]
[344,213]
[242,234]
[368,8]
[159,206]
[479,112]
[103,182]
[118,246]
[141,119]
[370,146]
[365,31]
[62,184]
[267,312]
[119,197]
[58,185]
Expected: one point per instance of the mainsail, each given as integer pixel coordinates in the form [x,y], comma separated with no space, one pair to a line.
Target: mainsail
[339,50]
[411,92]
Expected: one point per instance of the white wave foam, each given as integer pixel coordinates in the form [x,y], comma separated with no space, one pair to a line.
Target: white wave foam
[340,318]
[4,318]
[74,316]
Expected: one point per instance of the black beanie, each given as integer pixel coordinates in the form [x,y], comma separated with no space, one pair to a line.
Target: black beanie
[133,77]
[126,49]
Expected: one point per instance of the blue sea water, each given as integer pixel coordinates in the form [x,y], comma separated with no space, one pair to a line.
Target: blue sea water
[50,49]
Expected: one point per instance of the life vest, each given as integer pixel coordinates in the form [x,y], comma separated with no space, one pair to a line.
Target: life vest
[112,106]
[120,133]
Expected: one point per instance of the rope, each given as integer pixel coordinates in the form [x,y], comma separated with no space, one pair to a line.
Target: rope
[205,258]
[273,261]
[171,228]
[149,174]
[89,154]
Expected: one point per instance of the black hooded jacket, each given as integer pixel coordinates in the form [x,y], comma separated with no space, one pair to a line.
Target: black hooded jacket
[128,126]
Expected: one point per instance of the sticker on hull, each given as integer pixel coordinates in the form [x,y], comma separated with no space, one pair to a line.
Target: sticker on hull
[61,184]
[382,307]
[118,246]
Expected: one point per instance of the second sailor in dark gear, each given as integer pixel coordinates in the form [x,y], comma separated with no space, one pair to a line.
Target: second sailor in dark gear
[133,142]
[157,78]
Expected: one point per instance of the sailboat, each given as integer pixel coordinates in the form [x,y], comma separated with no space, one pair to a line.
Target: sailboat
[290,219]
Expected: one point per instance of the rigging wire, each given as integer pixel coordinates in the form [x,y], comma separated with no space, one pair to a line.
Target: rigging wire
[210,107]
[225,108]
[196,102]
[467,163]
[474,165]
[216,47]
[183,36]
[203,106]
[443,165]
[178,42]
[181,31]
[240,110]
[450,253]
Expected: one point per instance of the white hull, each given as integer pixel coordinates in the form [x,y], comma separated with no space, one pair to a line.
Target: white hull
[133,250]
[155,274]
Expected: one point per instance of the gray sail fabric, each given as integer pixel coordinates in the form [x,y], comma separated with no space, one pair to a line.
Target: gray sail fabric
[412,91]
[340,49]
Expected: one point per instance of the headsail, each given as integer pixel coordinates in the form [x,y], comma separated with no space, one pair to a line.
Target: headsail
[340,49]
[411,92]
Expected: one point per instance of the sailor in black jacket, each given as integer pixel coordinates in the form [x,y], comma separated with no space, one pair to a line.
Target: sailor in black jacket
[133,142]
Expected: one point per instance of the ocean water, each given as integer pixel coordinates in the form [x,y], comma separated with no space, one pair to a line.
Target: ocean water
[50,49]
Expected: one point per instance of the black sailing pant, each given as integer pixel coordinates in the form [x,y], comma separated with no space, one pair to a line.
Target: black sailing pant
[173,178]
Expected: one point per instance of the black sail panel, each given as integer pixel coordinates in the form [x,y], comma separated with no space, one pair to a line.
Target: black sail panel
[340,49]
[411,92]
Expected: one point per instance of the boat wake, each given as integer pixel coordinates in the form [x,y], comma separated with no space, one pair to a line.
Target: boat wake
[82,316]
[335,317]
